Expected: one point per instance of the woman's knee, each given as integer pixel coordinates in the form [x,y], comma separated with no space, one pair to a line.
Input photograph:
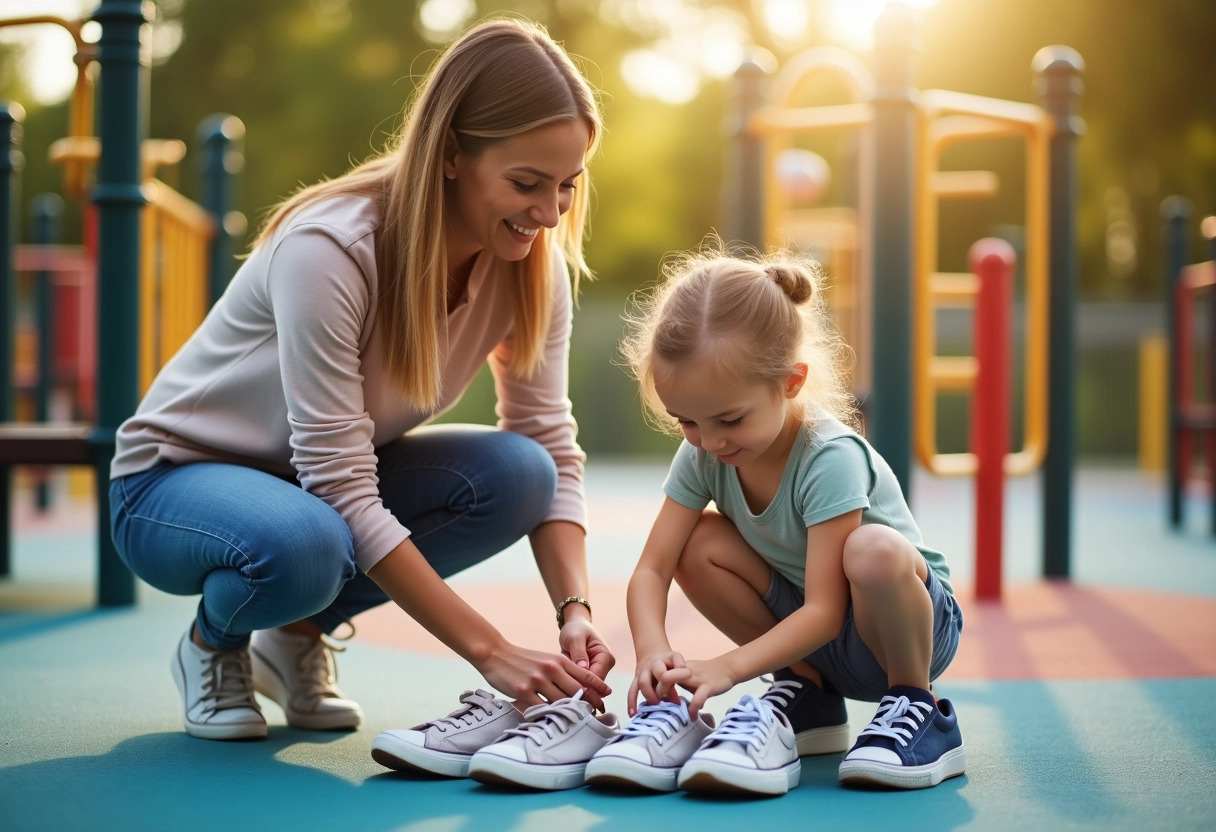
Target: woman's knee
[309,554]
[519,478]
[877,556]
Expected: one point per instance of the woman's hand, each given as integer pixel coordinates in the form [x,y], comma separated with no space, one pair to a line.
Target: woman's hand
[582,645]
[531,677]
[702,679]
[646,676]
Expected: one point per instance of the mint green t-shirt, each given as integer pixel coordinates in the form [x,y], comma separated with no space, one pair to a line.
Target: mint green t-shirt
[831,470]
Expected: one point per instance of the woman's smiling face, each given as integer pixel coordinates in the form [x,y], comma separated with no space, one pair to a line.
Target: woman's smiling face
[500,198]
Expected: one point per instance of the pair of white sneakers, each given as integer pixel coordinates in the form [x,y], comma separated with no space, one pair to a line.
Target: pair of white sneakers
[488,739]
[564,744]
[296,671]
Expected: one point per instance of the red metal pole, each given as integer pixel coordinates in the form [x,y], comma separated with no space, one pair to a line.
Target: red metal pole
[992,261]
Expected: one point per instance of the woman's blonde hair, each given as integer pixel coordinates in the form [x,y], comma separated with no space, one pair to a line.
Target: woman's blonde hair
[750,318]
[501,78]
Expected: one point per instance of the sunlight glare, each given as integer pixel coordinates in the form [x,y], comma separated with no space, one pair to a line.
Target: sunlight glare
[851,22]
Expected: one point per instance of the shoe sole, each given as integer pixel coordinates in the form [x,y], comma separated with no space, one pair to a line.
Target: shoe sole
[869,773]
[622,773]
[832,739]
[204,731]
[268,683]
[711,776]
[499,771]
[398,754]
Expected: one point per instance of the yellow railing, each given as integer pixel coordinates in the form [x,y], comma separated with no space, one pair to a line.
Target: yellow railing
[173,275]
[946,118]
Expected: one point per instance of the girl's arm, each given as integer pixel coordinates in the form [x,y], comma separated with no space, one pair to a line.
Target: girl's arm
[529,676]
[646,599]
[803,631]
[560,549]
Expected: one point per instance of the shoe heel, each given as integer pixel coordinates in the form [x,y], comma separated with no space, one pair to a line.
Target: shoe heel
[833,739]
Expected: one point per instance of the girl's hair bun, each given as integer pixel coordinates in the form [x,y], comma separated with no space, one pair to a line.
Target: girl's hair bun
[793,280]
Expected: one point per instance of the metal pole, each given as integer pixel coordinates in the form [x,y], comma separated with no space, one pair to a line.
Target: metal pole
[11,115]
[889,409]
[1175,218]
[221,161]
[1058,70]
[743,210]
[122,126]
[46,212]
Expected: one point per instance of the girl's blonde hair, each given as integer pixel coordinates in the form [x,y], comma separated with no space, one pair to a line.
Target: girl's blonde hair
[501,78]
[751,318]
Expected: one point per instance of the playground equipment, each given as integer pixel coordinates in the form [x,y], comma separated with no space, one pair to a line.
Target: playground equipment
[896,286]
[160,259]
[1192,412]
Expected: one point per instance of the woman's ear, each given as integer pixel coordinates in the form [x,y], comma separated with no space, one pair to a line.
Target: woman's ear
[451,150]
[793,384]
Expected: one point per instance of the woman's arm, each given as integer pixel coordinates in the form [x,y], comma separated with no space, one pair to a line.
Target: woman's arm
[560,549]
[528,676]
[806,629]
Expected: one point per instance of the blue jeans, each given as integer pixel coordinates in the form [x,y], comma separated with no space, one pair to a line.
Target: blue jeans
[262,552]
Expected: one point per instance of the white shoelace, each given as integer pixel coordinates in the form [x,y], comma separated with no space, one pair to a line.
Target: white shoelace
[228,680]
[781,693]
[898,709]
[750,722]
[317,670]
[661,720]
[550,719]
[478,704]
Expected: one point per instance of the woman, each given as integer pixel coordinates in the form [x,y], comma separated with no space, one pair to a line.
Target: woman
[279,465]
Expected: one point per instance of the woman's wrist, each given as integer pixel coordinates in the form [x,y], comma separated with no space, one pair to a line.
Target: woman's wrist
[575,607]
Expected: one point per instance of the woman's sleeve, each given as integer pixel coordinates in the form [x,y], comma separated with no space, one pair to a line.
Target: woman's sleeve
[321,303]
[539,406]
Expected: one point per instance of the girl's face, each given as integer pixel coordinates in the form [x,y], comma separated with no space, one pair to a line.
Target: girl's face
[740,422]
[501,198]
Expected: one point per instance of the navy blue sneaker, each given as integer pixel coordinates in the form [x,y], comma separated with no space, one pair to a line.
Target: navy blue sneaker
[912,743]
[819,718]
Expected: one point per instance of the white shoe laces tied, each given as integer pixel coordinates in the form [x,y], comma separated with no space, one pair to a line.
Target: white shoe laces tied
[782,693]
[750,722]
[548,719]
[661,720]
[318,672]
[228,680]
[478,704]
[894,710]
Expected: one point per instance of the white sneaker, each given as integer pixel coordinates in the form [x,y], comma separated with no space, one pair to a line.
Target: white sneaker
[217,692]
[650,750]
[549,749]
[445,746]
[298,672]
[753,751]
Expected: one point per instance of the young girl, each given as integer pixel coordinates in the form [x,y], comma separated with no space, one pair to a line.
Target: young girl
[811,563]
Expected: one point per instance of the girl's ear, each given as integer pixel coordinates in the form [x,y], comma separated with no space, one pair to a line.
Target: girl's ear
[451,149]
[793,384]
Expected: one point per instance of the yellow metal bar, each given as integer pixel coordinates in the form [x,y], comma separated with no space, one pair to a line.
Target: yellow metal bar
[1154,413]
[972,118]
[957,287]
[769,120]
[953,372]
[957,184]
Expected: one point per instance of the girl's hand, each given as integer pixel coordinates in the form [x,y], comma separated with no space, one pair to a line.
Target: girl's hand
[648,672]
[531,677]
[582,645]
[702,679]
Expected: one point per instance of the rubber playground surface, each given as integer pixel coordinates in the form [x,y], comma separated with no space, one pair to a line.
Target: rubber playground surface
[1085,704]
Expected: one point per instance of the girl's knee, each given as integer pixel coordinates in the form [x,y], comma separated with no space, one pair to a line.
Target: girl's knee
[876,555]
[703,544]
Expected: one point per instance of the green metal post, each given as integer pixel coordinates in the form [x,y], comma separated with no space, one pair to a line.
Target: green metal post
[743,195]
[1058,83]
[121,128]
[1176,219]
[11,115]
[219,136]
[889,407]
[46,212]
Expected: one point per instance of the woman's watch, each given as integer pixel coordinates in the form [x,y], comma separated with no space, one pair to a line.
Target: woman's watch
[561,608]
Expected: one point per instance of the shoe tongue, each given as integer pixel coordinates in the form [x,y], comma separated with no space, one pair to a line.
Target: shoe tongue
[914,694]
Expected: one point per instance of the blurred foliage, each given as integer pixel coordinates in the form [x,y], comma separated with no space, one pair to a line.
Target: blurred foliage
[321,84]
